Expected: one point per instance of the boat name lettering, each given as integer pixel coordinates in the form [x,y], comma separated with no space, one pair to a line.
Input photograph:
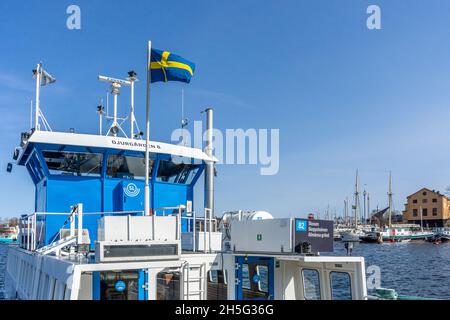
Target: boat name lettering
[135,144]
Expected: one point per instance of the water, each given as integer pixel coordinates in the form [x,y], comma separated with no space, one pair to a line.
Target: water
[3,253]
[418,269]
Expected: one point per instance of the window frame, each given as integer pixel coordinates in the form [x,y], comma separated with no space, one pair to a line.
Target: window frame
[141,178]
[319,281]
[349,280]
[169,158]
[62,173]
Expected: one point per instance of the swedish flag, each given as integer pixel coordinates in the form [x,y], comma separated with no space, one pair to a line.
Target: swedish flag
[166,66]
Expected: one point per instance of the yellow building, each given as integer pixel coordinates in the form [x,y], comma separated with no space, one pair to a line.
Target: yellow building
[430,206]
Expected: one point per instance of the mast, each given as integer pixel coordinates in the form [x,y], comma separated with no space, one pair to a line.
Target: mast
[132,77]
[356,200]
[209,171]
[147,134]
[390,199]
[37,102]
[345,209]
[368,208]
[364,216]
[421,218]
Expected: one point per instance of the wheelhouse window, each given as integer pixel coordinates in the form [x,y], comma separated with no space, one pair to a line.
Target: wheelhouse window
[217,285]
[168,286]
[127,167]
[182,172]
[311,284]
[255,280]
[73,163]
[341,288]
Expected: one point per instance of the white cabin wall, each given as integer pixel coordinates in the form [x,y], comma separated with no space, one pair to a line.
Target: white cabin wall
[285,284]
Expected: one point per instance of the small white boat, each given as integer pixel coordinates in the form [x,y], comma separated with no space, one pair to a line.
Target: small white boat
[351,235]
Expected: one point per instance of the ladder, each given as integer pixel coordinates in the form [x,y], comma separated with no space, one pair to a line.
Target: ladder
[194,281]
[57,245]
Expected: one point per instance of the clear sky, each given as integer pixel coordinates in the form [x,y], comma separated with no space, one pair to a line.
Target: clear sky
[344,97]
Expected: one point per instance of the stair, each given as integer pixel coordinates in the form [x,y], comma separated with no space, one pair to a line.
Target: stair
[57,245]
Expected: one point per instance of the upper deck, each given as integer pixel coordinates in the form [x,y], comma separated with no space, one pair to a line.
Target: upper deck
[106,174]
[78,142]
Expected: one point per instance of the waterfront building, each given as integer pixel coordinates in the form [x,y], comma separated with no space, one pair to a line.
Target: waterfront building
[429,207]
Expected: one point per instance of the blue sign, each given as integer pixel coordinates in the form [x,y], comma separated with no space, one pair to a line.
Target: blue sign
[120,286]
[301,225]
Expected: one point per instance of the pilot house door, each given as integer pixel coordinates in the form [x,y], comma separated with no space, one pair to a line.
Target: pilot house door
[254,278]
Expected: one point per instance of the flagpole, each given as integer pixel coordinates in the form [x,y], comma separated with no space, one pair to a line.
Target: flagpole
[38,88]
[147,135]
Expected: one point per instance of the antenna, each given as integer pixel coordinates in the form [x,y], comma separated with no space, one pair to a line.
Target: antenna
[116,84]
[132,78]
[184,121]
[100,110]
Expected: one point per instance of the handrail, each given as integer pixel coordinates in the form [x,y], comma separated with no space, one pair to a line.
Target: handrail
[29,237]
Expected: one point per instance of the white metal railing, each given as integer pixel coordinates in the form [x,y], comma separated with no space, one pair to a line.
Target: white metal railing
[31,235]
[194,223]
[31,227]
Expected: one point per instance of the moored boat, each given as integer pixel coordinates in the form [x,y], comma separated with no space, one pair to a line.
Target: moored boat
[115,220]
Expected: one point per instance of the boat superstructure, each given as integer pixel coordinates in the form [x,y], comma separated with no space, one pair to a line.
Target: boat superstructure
[89,237]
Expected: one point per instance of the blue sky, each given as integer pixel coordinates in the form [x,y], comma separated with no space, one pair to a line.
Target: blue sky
[343,96]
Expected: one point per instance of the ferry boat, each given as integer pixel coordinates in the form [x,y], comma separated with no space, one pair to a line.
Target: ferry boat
[405,233]
[90,238]
[8,234]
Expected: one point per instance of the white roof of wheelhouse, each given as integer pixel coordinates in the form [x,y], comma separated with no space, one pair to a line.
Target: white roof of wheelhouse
[97,141]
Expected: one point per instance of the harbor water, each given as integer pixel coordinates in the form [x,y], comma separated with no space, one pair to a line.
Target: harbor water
[3,253]
[418,269]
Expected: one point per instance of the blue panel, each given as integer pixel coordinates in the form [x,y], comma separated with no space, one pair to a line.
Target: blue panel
[62,193]
[170,195]
[57,193]
[95,285]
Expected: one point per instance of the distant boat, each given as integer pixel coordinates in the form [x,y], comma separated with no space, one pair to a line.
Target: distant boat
[372,236]
[8,234]
[441,234]
[353,235]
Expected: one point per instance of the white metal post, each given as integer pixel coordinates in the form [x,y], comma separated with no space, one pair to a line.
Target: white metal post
[194,236]
[209,228]
[209,171]
[80,223]
[100,125]
[132,111]
[28,233]
[33,236]
[204,230]
[147,134]
[38,89]
[115,113]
